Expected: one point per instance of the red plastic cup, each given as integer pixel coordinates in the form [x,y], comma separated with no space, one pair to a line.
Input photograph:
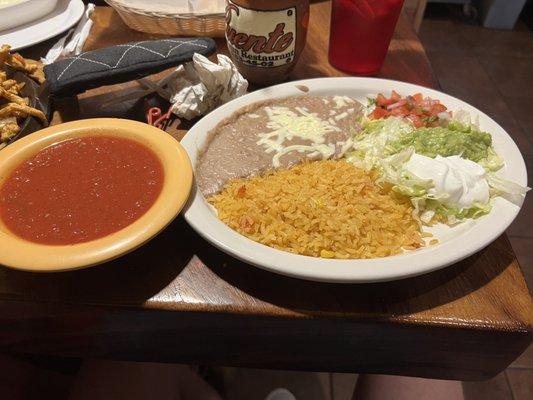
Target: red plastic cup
[360,34]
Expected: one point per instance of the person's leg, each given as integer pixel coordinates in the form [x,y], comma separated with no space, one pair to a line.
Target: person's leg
[388,387]
[119,380]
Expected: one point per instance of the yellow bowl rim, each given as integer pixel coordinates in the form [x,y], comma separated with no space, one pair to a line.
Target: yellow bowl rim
[20,254]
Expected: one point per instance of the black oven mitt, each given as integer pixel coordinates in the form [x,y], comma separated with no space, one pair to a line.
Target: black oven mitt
[121,63]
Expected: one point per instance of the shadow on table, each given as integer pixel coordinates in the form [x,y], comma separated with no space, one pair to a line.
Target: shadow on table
[131,279]
[398,297]
[180,265]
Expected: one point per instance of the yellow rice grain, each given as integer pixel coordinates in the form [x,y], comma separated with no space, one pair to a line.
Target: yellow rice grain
[329,209]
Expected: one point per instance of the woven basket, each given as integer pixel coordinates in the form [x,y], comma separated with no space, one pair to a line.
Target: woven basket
[212,25]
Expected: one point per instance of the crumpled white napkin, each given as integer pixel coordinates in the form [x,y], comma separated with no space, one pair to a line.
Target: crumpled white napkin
[77,35]
[203,85]
[193,89]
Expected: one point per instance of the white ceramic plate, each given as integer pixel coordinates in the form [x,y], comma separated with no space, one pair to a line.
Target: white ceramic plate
[19,12]
[455,243]
[63,17]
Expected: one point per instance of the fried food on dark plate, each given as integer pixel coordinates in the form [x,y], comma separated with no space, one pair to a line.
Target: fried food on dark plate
[14,108]
[34,69]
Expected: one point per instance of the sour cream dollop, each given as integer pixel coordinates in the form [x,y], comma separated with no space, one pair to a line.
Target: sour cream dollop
[457,181]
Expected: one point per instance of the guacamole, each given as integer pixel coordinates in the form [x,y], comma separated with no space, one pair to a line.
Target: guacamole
[446,141]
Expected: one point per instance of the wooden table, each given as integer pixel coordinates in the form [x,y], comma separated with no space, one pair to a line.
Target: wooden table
[179,299]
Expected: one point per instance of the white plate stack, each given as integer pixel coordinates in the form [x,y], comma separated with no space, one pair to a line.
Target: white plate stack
[24,23]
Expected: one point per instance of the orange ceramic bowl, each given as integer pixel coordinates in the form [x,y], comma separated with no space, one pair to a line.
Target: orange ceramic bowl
[21,254]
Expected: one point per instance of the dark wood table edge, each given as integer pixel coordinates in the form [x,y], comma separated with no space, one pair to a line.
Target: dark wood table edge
[189,337]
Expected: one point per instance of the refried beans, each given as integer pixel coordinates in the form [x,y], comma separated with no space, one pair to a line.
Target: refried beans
[276,134]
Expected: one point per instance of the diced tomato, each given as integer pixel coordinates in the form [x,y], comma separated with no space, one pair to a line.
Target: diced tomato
[397,104]
[418,97]
[416,121]
[378,113]
[382,101]
[395,96]
[438,108]
[419,110]
[400,112]
[241,192]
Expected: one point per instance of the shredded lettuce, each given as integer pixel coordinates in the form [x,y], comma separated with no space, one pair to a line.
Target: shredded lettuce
[373,144]
[376,148]
[453,215]
[503,186]
[510,191]
[493,162]
[462,120]
[371,101]
[384,137]
[425,205]
[403,181]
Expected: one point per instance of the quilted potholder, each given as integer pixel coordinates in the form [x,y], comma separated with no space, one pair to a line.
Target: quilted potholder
[121,63]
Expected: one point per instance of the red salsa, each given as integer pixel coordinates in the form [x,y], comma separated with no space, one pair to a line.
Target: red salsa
[80,190]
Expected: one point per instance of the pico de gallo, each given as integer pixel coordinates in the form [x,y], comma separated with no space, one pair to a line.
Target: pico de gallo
[420,111]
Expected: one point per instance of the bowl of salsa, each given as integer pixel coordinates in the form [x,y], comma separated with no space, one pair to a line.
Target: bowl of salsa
[85,192]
